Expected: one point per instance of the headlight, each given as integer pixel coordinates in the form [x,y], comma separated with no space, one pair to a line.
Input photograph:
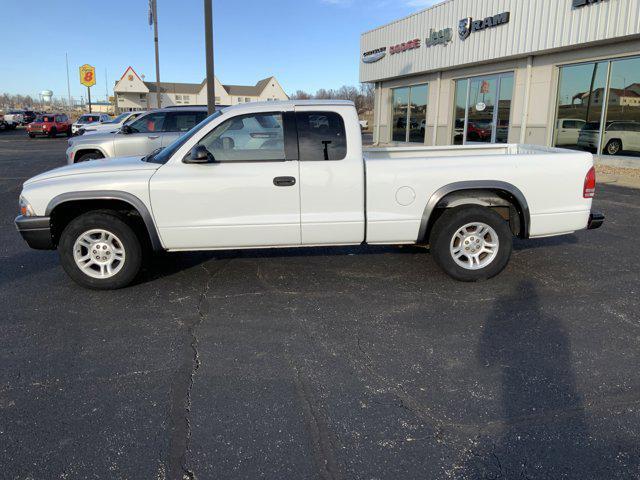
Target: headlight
[26,210]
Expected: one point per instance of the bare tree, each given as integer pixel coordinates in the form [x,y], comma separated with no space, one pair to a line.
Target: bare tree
[362,96]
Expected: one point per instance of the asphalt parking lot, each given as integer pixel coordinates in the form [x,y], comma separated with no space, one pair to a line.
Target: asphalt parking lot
[322,363]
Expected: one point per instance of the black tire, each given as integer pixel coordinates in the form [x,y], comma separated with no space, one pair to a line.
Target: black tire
[69,132]
[32,135]
[453,220]
[88,156]
[113,224]
[614,147]
[52,133]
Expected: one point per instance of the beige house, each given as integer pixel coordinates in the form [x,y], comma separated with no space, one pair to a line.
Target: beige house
[132,93]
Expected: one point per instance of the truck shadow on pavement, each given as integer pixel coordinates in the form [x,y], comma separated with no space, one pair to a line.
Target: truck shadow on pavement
[169,263]
[543,430]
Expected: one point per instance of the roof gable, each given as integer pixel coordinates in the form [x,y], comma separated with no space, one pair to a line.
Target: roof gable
[130,82]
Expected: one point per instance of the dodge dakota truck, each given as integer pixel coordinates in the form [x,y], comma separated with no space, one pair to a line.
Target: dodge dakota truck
[294,174]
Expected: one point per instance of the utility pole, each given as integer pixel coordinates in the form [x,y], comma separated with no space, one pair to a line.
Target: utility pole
[66,56]
[153,17]
[208,37]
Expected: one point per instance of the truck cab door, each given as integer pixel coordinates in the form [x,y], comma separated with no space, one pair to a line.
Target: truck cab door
[331,176]
[145,137]
[248,195]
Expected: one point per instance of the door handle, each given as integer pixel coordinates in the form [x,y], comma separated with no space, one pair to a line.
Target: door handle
[153,137]
[284,181]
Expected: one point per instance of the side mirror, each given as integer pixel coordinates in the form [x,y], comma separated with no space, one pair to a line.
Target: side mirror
[126,129]
[199,154]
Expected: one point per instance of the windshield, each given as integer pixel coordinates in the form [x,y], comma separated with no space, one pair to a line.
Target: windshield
[119,118]
[44,118]
[163,156]
[88,119]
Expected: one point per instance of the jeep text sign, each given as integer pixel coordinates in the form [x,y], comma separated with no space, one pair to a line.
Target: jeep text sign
[87,75]
[468,25]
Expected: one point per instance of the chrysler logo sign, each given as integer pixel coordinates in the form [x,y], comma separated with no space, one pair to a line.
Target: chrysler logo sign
[374,55]
[584,3]
[468,25]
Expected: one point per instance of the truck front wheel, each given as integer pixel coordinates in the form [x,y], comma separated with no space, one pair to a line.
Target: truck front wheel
[471,243]
[99,250]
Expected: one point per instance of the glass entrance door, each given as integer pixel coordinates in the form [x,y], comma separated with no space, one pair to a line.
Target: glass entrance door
[483,108]
[400,114]
[409,113]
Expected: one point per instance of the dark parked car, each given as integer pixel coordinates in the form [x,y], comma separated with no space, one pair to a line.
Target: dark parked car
[50,125]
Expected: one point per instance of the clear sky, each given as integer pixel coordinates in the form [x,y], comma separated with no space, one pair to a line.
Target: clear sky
[306,44]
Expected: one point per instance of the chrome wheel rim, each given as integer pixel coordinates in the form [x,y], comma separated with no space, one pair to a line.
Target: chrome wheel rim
[474,246]
[613,148]
[99,253]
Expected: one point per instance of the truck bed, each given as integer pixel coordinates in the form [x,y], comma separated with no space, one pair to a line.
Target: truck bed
[401,180]
[376,153]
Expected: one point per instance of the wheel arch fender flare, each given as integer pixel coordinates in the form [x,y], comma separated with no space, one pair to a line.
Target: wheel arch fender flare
[126,197]
[88,149]
[495,185]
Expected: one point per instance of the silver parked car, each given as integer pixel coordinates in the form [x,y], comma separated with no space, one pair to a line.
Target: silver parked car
[155,129]
[88,118]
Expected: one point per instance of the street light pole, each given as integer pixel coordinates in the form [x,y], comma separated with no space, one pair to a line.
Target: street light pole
[66,56]
[154,12]
[208,37]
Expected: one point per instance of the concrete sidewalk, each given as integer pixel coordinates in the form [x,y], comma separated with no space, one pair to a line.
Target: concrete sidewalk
[623,177]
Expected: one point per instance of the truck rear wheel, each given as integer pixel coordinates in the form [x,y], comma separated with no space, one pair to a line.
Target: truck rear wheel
[471,243]
[99,250]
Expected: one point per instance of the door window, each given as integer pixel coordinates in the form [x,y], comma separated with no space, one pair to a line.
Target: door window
[622,128]
[409,113]
[483,109]
[321,136]
[254,137]
[183,121]
[149,123]
[580,96]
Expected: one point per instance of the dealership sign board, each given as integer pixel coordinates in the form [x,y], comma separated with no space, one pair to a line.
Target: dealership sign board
[468,25]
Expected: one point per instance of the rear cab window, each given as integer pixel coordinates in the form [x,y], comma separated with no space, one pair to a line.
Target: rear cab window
[321,136]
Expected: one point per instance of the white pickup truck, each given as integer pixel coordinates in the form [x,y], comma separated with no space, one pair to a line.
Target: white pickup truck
[294,174]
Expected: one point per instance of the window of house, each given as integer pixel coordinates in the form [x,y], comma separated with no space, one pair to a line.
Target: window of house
[321,136]
[250,137]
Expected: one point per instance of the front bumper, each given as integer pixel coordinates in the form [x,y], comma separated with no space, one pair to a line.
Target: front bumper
[596,219]
[36,231]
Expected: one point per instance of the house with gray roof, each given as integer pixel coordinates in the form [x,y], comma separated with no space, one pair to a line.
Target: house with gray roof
[133,93]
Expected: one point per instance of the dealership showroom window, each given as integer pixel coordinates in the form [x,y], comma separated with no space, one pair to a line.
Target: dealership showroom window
[560,73]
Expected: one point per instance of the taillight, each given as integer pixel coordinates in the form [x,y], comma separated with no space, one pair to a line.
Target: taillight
[590,184]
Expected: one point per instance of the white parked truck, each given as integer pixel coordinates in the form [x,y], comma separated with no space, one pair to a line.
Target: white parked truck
[294,174]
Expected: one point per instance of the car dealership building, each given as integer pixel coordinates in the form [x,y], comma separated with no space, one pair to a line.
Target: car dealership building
[545,72]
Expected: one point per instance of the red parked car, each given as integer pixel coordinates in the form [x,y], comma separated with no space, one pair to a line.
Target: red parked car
[50,124]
